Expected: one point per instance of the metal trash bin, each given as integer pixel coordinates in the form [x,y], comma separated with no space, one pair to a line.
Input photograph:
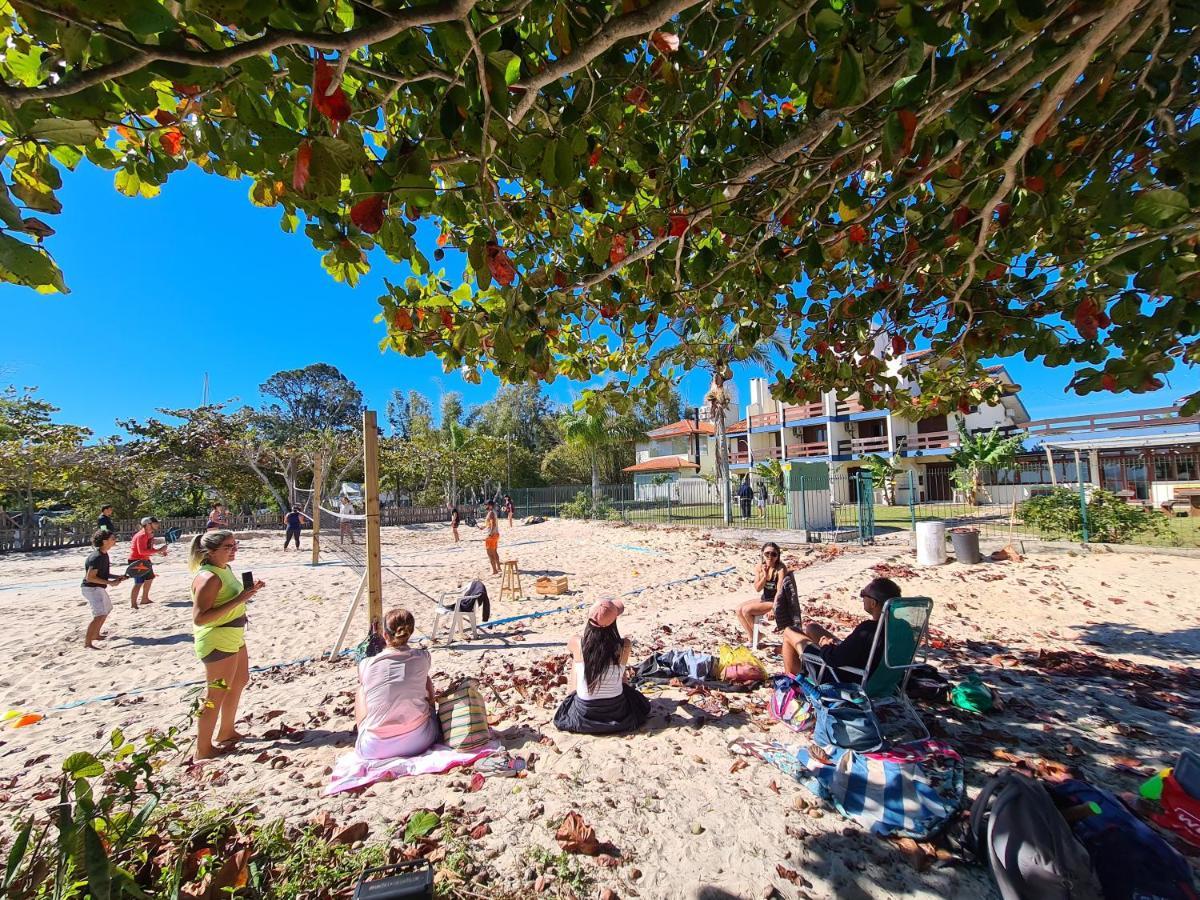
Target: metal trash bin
[931,543]
[966,545]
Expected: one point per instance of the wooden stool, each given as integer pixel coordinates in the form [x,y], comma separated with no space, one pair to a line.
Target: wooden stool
[510,581]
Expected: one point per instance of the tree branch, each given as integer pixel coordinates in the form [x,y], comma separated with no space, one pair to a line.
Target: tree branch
[271,40]
[614,31]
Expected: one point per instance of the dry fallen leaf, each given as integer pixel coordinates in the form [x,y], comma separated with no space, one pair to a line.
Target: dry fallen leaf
[574,835]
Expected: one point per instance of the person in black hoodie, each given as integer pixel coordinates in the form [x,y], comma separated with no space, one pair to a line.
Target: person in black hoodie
[854,650]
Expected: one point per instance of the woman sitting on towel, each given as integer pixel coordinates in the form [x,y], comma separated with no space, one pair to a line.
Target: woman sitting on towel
[601,703]
[394,707]
[854,650]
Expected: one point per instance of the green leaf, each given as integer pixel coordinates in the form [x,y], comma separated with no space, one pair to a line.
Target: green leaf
[420,824]
[145,17]
[16,853]
[1160,208]
[26,66]
[82,765]
[25,265]
[65,131]
[9,214]
[564,163]
[508,64]
[826,25]
[502,345]
[550,164]
[851,86]
[131,185]
[96,864]
[345,155]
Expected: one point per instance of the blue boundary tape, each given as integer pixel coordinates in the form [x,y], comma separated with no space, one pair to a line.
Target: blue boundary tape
[104,698]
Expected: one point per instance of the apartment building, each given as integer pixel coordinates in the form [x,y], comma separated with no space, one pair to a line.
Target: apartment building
[683,449]
[842,432]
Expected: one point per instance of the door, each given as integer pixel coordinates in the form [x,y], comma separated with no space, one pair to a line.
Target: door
[937,482]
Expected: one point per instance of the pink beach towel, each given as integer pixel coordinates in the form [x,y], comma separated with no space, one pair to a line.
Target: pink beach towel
[351,771]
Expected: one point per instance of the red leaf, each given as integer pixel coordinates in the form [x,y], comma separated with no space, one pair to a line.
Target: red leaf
[300,170]
[1003,213]
[1109,383]
[747,110]
[333,105]
[447,318]
[962,215]
[1086,319]
[477,781]
[560,278]
[857,234]
[665,42]
[679,225]
[788,220]
[639,97]
[442,239]
[617,252]
[499,265]
[954,168]
[787,108]
[480,831]
[367,214]
[402,320]
[1035,183]
[162,117]
[577,836]
[899,344]
[172,141]
[998,271]
[594,157]
[188,90]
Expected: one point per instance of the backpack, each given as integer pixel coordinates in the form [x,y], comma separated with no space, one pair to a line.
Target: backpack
[788,704]
[1016,828]
[842,716]
[462,714]
[1131,860]
[926,683]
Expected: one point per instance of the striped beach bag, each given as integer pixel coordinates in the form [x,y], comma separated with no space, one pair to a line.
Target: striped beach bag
[910,790]
[463,716]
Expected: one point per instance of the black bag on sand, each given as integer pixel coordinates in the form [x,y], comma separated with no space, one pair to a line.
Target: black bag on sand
[1027,844]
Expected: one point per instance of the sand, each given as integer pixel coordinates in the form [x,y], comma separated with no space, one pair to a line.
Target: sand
[685,824]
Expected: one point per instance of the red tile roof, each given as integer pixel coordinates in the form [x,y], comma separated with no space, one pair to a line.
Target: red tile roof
[683,426]
[739,425]
[661,464]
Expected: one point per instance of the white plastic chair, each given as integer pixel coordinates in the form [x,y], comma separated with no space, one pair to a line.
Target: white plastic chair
[450,615]
[758,624]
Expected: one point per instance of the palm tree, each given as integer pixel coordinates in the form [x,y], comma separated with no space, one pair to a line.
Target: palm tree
[595,433]
[771,472]
[883,473]
[977,452]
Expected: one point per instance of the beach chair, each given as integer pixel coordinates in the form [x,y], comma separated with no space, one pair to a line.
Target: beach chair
[903,635]
[450,616]
[758,625]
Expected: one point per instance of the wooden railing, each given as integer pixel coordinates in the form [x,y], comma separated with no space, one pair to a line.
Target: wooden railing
[849,405]
[1135,418]
[739,457]
[801,411]
[764,419]
[804,451]
[933,440]
[759,453]
[864,445]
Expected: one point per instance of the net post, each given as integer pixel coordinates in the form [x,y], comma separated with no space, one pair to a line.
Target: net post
[371,494]
[318,487]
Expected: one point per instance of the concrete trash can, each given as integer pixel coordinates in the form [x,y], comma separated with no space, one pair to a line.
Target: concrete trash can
[931,543]
[966,545]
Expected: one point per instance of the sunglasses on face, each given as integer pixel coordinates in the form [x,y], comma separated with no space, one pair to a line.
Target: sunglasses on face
[770,554]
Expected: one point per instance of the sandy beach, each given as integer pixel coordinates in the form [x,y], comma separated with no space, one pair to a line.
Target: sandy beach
[1094,655]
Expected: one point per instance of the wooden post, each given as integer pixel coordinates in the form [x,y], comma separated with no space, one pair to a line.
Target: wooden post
[371,492]
[318,486]
[1050,463]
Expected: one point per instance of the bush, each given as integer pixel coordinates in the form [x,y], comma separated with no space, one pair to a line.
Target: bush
[1109,518]
[583,508]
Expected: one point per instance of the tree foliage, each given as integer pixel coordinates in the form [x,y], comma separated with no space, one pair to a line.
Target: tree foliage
[992,177]
[36,453]
[976,452]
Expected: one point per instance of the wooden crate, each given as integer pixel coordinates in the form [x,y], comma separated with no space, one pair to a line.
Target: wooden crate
[551,586]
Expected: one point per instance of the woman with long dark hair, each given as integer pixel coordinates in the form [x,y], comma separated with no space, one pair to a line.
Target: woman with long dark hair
[769,576]
[602,703]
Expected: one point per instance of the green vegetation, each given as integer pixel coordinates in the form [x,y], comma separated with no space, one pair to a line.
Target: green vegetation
[585,507]
[1109,518]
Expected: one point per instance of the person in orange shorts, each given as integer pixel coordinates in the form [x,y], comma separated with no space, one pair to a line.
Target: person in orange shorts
[492,541]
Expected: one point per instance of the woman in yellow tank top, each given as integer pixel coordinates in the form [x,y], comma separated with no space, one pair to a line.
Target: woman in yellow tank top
[219,631]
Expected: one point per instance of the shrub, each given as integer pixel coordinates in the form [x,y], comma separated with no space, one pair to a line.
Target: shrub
[1109,518]
[583,508]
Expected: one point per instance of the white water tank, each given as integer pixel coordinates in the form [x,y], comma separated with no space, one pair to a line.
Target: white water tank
[931,543]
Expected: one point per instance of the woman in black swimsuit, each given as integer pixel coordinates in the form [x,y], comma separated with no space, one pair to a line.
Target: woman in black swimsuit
[454,519]
[768,582]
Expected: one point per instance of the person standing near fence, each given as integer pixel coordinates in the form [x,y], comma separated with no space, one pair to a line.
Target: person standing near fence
[491,541]
[96,582]
[455,518]
[745,495]
[217,517]
[508,509]
[345,526]
[142,547]
[105,522]
[761,497]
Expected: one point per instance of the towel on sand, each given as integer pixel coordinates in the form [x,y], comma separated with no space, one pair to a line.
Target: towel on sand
[352,771]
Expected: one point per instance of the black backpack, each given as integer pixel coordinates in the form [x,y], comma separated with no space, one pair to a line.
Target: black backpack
[1019,833]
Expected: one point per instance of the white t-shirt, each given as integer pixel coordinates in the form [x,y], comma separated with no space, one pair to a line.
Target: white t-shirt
[346,508]
[611,684]
[394,687]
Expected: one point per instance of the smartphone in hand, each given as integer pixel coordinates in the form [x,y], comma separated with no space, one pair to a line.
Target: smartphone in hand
[247,580]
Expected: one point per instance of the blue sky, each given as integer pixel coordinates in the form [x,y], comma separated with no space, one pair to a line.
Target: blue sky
[197,280]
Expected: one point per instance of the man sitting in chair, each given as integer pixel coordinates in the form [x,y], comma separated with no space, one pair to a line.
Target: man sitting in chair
[851,653]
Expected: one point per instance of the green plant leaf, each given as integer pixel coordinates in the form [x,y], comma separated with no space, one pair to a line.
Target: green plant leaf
[65,131]
[21,263]
[16,852]
[1160,208]
[83,765]
[146,17]
[508,64]
[420,824]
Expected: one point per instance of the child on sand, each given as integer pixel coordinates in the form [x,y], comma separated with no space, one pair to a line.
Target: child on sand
[394,706]
[142,547]
[601,703]
[854,650]
[96,580]
[768,582]
[492,541]
[219,632]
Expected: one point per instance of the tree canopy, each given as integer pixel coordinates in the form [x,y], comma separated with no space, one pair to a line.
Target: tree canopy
[975,178]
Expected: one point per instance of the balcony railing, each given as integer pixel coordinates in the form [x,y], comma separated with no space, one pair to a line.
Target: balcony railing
[805,451]
[933,440]
[849,405]
[739,457]
[864,445]
[764,419]
[766,453]
[802,411]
